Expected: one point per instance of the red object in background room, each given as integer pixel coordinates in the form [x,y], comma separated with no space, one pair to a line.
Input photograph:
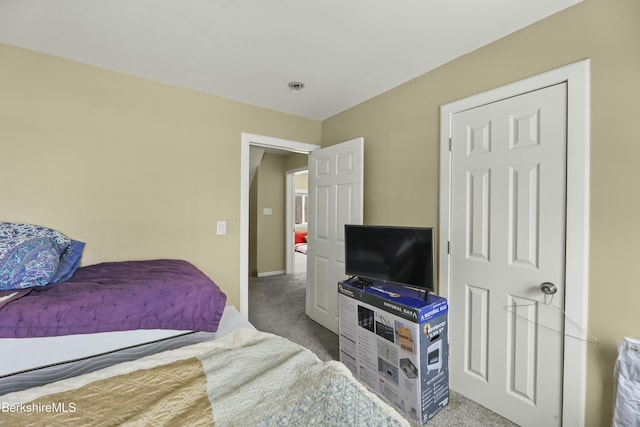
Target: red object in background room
[300,237]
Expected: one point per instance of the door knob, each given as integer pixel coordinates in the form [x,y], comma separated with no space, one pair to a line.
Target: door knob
[548,288]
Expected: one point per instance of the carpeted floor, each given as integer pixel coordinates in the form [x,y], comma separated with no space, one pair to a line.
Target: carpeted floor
[277,305]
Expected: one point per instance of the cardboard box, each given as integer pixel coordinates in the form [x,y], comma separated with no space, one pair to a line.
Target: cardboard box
[397,344]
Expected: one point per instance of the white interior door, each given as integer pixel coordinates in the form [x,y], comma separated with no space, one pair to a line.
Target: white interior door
[335,199]
[507,236]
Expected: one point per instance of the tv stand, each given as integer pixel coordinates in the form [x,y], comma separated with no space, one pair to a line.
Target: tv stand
[389,334]
[360,282]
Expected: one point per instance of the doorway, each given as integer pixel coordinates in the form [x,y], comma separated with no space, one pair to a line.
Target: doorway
[340,170]
[248,140]
[297,220]
[575,259]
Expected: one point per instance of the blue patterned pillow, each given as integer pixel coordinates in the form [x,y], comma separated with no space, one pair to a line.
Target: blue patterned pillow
[31,255]
[69,262]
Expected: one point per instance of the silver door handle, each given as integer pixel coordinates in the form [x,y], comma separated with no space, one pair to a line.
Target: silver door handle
[548,288]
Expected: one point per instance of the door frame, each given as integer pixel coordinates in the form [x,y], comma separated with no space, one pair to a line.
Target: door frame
[577,77]
[289,218]
[246,140]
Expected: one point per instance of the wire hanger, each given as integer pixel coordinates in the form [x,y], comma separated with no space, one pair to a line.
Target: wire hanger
[548,299]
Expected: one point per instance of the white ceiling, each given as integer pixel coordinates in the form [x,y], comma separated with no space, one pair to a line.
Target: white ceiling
[344,51]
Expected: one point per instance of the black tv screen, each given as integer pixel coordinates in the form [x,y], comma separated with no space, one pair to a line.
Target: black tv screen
[400,255]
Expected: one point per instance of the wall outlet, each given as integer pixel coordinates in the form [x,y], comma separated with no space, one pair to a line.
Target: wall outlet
[221,228]
[267,211]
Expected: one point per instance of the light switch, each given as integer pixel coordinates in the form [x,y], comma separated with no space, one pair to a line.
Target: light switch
[221,228]
[267,211]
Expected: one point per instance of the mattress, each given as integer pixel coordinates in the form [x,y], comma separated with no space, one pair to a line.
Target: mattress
[29,362]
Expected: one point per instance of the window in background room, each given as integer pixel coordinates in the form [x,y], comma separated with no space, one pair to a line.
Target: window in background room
[301,207]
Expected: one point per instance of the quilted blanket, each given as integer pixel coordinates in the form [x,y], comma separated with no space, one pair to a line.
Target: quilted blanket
[248,378]
[118,296]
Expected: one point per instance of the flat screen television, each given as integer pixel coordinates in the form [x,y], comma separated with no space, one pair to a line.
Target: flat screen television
[399,255]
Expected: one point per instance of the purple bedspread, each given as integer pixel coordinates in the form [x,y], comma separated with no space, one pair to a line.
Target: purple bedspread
[118,296]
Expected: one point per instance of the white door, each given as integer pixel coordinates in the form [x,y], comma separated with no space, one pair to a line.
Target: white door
[507,236]
[335,199]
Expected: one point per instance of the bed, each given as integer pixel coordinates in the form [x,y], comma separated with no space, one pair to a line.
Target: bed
[58,319]
[300,242]
[247,378]
[105,308]
[153,343]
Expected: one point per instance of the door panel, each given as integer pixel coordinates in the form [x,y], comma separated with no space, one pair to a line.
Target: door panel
[477,334]
[524,218]
[478,214]
[335,199]
[322,212]
[508,180]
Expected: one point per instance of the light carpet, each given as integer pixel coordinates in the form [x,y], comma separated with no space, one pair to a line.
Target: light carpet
[277,305]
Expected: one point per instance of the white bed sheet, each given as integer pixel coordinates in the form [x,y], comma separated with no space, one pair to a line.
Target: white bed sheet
[25,354]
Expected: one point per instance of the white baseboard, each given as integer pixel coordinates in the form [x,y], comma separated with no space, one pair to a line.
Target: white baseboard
[271,273]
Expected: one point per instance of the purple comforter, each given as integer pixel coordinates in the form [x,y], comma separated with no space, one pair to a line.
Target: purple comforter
[118,296]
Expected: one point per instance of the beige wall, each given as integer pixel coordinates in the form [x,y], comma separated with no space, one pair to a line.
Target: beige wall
[301,182]
[134,168]
[270,179]
[401,131]
[295,161]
